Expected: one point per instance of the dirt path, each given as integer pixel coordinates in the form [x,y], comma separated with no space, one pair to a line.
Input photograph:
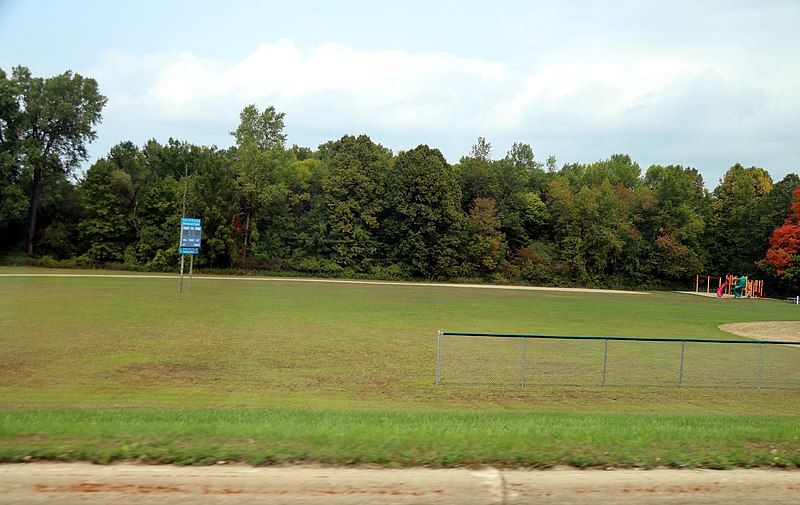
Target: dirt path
[330,281]
[86,483]
[788,331]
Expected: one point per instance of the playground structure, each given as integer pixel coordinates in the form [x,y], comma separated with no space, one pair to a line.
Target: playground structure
[736,286]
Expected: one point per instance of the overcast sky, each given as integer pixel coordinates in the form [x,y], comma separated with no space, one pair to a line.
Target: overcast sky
[704,84]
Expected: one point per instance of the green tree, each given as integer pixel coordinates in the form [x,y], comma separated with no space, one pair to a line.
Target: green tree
[486,245]
[551,164]
[477,180]
[301,153]
[58,116]
[354,194]
[591,226]
[156,221]
[262,130]
[14,202]
[522,157]
[212,196]
[602,227]
[737,244]
[423,220]
[59,210]
[481,150]
[676,225]
[514,184]
[561,203]
[684,201]
[261,196]
[111,194]
[175,158]
[106,228]
[618,170]
[303,228]
[519,207]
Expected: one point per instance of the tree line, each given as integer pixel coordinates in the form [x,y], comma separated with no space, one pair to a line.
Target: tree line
[352,207]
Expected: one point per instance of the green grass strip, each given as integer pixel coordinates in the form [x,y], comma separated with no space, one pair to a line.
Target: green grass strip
[436,439]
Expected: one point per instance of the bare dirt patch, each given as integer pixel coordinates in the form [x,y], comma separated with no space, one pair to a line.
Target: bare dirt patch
[172,372]
[788,331]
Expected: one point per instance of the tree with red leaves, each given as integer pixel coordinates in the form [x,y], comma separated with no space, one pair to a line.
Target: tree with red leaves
[784,243]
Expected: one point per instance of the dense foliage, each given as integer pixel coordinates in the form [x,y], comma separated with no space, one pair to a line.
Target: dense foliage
[353,208]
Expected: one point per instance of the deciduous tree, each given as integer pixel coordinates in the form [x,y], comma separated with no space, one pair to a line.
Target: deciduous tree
[57,120]
[423,220]
[354,194]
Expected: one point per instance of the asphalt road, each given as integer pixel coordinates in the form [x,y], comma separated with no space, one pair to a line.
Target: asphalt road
[128,483]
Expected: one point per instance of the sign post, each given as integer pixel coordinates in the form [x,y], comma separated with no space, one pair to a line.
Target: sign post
[180,285]
[191,233]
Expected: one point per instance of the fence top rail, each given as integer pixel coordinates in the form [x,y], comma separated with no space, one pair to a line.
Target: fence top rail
[602,337]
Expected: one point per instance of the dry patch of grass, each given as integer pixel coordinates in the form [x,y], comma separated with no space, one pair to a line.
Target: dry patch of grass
[765,330]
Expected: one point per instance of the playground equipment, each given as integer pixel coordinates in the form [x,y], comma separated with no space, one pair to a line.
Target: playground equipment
[737,286]
[740,283]
[721,289]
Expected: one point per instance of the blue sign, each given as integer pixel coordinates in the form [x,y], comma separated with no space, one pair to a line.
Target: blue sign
[191,234]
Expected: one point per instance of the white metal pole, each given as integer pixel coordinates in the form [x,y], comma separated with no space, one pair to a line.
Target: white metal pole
[180,286]
[438,357]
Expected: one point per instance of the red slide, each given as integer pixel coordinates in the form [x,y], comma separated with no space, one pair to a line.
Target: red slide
[721,289]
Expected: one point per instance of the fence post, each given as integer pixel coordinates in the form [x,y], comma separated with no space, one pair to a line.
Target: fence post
[761,369]
[683,349]
[605,361]
[524,361]
[438,357]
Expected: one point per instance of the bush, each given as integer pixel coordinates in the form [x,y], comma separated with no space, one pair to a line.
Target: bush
[47,261]
[535,264]
[161,262]
[393,272]
[315,264]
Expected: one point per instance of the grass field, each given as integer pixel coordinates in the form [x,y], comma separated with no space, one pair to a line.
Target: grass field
[439,439]
[100,369]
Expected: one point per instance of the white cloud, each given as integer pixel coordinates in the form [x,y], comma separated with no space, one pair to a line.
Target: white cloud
[390,88]
[571,100]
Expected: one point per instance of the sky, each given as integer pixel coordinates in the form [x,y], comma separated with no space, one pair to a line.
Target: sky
[701,84]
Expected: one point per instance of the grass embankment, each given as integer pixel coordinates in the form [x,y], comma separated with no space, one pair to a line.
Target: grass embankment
[258,436]
[100,369]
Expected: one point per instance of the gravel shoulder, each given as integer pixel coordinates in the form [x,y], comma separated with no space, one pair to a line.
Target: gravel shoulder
[129,483]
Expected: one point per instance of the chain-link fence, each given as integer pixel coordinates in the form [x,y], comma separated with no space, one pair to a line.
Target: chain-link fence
[526,360]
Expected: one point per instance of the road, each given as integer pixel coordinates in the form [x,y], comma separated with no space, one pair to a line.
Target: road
[130,483]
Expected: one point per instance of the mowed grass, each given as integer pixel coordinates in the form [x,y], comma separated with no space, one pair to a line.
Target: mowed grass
[438,439]
[263,371]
